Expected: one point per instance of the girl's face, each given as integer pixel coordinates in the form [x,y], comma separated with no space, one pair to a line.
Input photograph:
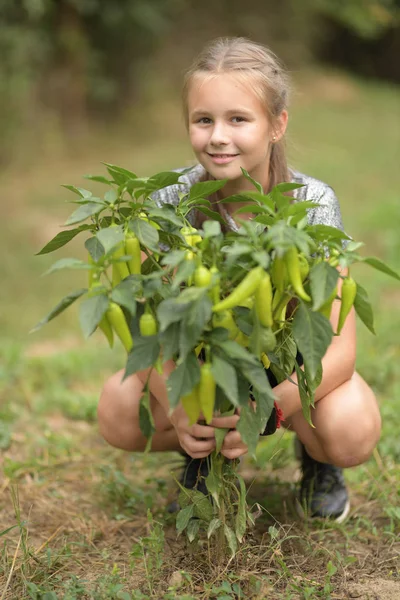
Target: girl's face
[229,129]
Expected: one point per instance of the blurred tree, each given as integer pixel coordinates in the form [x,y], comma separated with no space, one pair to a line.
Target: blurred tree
[75,59]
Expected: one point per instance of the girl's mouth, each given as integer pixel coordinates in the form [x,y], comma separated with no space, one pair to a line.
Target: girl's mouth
[221,159]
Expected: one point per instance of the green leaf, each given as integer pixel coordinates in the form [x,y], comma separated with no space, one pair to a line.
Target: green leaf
[380,266]
[111,196]
[213,484]
[197,315]
[256,184]
[211,228]
[220,434]
[167,213]
[248,427]
[213,526]
[193,529]
[183,379]
[363,308]
[84,211]
[288,187]
[110,237]
[82,193]
[236,352]
[205,188]
[163,179]
[67,263]
[184,271]
[61,306]
[95,248]
[170,311]
[253,208]
[91,311]
[124,294]
[312,333]
[98,178]
[169,340]
[143,355]
[202,506]
[120,176]
[225,376]
[327,232]
[211,214]
[241,515]
[231,539]
[255,373]
[304,396]
[323,280]
[61,239]
[146,233]
[173,258]
[183,517]
[264,405]
[146,420]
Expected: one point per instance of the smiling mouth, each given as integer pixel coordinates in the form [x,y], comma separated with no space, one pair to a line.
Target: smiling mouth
[222,155]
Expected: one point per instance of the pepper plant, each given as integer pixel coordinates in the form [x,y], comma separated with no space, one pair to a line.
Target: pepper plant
[223,305]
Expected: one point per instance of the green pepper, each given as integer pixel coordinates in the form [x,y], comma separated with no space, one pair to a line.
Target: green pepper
[326,308]
[304,267]
[104,324]
[147,325]
[225,319]
[191,236]
[263,301]
[132,247]
[117,319]
[293,268]
[216,288]
[207,391]
[202,276]
[246,288]
[348,294]
[191,404]
[242,339]
[120,269]
[278,273]
[267,340]
[189,256]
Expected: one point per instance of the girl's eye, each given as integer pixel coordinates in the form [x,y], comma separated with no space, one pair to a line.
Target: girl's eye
[202,119]
[239,119]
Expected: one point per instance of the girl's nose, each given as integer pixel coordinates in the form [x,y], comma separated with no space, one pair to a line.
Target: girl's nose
[219,135]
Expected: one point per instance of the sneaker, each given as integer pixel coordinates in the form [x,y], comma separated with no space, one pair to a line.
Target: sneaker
[323,492]
[193,476]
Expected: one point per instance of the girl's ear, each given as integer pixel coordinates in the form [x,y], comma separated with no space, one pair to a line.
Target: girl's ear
[281,124]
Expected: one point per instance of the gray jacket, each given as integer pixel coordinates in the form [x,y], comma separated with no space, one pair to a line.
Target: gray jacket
[328,213]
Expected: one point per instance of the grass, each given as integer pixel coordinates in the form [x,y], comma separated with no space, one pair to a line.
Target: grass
[82,520]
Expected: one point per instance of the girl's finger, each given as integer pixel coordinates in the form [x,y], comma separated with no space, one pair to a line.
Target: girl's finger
[225,422]
[202,431]
[232,439]
[232,453]
[198,446]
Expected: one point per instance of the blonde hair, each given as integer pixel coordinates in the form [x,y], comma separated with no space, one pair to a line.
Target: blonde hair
[270,83]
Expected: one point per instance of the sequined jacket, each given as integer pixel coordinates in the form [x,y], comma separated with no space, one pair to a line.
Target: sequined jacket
[327,213]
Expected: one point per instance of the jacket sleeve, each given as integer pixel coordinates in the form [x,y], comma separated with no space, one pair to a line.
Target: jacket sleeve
[328,211]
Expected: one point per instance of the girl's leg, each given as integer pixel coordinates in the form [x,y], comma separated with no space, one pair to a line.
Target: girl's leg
[118,415]
[347,425]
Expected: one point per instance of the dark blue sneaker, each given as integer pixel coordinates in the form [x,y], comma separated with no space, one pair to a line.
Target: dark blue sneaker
[323,493]
[193,476]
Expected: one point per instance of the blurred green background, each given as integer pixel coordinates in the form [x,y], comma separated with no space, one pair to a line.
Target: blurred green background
[90,81]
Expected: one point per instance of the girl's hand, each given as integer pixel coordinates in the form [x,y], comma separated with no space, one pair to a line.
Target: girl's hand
[191,437]
[233,445]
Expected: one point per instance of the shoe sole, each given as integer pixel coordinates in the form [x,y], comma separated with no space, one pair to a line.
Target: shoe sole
[338,519]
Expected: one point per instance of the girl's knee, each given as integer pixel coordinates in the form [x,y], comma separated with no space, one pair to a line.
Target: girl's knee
[354,427]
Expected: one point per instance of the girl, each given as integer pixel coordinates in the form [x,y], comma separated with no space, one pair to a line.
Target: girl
[235,100]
